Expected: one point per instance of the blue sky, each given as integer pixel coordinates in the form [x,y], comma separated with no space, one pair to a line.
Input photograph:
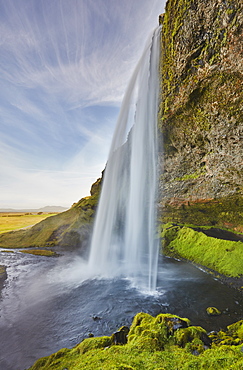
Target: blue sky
[64,68]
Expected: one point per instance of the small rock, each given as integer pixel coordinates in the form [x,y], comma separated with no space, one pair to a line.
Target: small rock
[120,336]
[213,311]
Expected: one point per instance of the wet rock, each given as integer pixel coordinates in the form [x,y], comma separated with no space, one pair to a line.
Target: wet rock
[206,340]
[120,336]
[175,323]
[200,115]
[3,276]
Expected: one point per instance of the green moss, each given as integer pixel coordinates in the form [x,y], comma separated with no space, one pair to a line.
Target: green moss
[188,335]
[40,252]
[201,99]
[236,330]
[220,255]
[224,212]
[65,229]
[213,311]
[191,176]
[93,343]
[201,50]
[142,350]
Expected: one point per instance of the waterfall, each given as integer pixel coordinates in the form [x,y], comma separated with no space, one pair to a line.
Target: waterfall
[124,237]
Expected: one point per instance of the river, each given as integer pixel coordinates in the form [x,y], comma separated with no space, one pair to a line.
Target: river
[50,303]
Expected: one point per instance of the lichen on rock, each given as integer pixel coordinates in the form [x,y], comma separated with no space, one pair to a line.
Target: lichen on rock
[201,110]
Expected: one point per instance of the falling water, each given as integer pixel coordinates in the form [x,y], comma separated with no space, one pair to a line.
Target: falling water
[124,239]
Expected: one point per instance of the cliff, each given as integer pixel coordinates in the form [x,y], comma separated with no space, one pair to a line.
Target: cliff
[200,125]
[201,112]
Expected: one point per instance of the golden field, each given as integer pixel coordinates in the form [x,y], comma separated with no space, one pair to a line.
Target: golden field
[14,221]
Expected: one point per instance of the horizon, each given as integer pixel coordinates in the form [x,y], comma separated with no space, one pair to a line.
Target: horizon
[32,208]
[65,70]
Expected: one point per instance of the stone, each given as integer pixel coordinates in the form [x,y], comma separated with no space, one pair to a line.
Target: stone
[213,311]
[201,116]
[120,336]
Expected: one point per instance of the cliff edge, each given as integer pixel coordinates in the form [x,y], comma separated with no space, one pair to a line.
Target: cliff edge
[201,113]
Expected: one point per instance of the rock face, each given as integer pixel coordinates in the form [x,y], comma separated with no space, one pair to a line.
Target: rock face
[200,123]
[201,112]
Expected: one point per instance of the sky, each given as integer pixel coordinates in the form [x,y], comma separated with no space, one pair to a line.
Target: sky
[64,68]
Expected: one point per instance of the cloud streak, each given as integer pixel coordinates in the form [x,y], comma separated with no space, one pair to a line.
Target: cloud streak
[61,62]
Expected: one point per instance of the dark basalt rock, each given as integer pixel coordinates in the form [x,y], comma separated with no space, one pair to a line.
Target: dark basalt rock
[120,336]
[201,115]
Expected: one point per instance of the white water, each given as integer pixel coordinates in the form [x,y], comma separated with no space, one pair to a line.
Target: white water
[124,241]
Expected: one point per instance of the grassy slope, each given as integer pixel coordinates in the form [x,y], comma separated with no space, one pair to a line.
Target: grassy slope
[67,229]
[154,343]
[224,256]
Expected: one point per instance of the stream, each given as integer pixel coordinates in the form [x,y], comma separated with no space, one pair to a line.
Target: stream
[50,303]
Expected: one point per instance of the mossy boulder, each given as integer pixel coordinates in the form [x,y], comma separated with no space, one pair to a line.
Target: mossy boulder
[154,343]
[233,335]
[213,311]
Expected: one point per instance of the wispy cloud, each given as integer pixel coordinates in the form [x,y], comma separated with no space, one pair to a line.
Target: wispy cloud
[60,60]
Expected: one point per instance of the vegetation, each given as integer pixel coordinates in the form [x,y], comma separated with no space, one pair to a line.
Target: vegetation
[69,229]
[165,342]
[213,311]
[40,252]
[200,116]
[224,212]
[224,256]
[14,221]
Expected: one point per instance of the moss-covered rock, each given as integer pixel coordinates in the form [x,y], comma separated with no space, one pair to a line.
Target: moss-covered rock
[224,256]
[201,116]
[154,343]
[213,311]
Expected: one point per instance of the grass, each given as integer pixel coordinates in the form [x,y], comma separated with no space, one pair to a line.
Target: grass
[223,256]
[40,252]
[154,343]
[15,221]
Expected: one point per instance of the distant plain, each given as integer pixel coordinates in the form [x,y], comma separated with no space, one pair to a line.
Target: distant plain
[10,221]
